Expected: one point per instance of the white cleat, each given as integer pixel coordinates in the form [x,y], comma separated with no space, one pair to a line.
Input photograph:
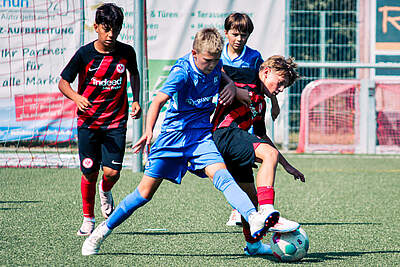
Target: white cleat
[87,227]
[260,222]
[92,244]
[284,226]
[257,248]
[235,219]
[106,201]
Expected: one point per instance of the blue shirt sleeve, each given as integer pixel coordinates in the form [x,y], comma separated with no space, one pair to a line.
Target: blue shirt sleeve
[259,61]
[175,82]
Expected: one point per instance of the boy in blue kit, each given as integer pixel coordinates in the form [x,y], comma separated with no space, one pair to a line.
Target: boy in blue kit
[186,138]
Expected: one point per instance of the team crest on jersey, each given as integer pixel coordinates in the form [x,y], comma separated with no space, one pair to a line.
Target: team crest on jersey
[87,163]
[215,79]
[120,68]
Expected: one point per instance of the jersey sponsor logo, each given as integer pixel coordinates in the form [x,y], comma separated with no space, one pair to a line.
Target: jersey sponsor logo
[107,84]
[195,102]
[87,163]
[120,68]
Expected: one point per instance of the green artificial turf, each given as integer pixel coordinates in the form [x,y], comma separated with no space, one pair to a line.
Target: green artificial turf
[349,207]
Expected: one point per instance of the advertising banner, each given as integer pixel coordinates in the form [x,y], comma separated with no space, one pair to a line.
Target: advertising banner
[36,40]
[39,37]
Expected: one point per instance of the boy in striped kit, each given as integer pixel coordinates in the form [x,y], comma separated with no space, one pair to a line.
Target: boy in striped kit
[102,104]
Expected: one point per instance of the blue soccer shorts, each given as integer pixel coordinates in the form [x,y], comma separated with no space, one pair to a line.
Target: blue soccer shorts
[176,152]
[99,147]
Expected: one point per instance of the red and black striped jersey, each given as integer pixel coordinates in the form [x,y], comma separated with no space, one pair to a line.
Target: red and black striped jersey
[236,113]
[103,81]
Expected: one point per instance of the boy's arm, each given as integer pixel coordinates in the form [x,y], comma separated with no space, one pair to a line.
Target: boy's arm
[135,84]
[81,102]
[285,164]
[154,110]
[275,110]
[229,91]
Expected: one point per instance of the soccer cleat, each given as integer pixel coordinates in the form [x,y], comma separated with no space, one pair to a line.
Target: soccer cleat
[257,248]
[87,227]
[92,244]
[260,222]
[235,219]
[106,201]
[284,226]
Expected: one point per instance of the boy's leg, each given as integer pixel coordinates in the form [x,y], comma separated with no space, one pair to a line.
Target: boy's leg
[223,181]
[143,194]
[254,246]
[112,150]
[89,154]
[88,192]
[110,177]
[265,186]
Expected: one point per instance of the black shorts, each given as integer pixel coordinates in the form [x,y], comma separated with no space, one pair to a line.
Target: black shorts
[237,148]
[101,147]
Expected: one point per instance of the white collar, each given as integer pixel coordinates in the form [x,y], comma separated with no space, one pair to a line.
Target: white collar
[193,65]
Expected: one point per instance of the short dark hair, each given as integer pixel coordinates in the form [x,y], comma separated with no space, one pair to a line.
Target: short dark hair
[240,22]
[110,15]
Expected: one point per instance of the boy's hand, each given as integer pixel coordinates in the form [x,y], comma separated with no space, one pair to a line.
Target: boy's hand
[296,173]
[227,94]
[136,110]
[242,95]
[144,143]
[82,102]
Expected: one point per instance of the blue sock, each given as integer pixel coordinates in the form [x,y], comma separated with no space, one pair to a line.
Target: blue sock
[238,199]
[126,207]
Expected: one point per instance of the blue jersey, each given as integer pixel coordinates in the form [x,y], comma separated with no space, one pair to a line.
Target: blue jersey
[191,93]
[249,58]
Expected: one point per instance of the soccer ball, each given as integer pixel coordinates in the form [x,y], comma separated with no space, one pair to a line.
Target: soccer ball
[291,246]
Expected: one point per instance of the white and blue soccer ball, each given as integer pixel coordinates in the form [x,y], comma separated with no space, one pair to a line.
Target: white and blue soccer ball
[292,246]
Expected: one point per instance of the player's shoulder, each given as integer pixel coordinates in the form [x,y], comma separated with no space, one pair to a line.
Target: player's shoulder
[124,49]
[85,52]
[252,52]
[87,48]
[181,66]
[123,46]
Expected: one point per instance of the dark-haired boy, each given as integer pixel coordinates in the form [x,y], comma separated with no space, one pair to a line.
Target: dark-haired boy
[102,104]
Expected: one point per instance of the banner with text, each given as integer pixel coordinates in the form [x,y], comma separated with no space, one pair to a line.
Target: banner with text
[38,38]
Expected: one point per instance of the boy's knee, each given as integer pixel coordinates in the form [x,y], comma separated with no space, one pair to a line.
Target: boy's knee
[111,174]
[274,154]
[268,153]
[91,177]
